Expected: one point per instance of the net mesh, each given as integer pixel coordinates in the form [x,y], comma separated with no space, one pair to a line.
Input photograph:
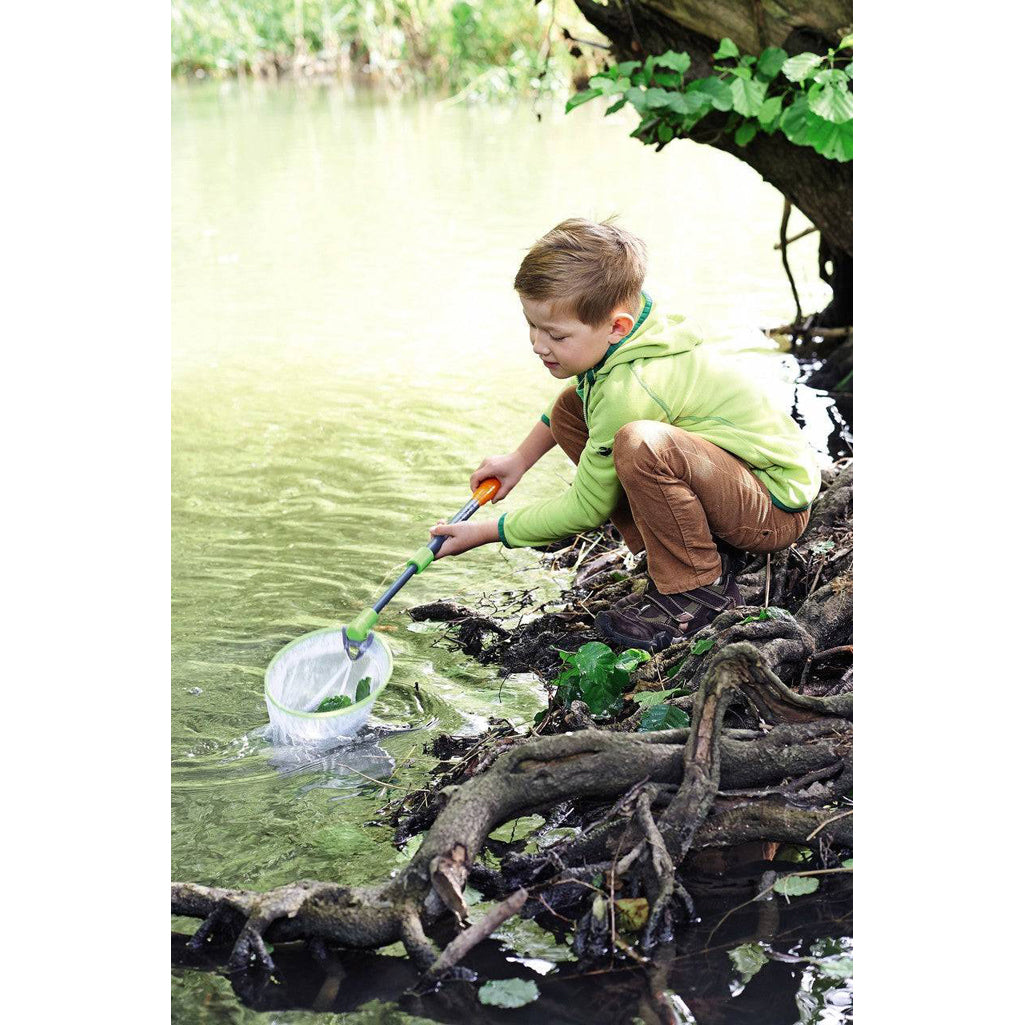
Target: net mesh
[315,667]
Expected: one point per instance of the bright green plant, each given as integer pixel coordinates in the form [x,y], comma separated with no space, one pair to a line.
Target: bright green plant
[597,676]
[332,704]
[807,97]
[663,717]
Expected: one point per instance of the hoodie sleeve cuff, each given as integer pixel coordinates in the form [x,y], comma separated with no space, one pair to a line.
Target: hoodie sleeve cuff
[501,531]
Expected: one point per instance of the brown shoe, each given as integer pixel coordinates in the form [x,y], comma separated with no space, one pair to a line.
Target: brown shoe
[657,620]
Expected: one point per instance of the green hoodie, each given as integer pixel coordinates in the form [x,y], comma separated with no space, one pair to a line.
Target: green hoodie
[661,371]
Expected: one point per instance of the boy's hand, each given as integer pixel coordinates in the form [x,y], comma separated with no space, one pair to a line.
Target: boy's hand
[508,469]
[464,536]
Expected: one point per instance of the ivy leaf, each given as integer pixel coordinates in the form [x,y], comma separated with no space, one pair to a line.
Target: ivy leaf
[748,96]
[700,647]
[677,61]
[663,717]
[796,886]
[798,68]
[748,959]
[575,101]
[833,141]
[727,48]
[770,110]
[509,992]
[769,63]
[832,103]
[745,133]
[715,88]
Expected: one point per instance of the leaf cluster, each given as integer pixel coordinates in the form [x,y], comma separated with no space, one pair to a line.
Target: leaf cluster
[332,704]
[807,97]
[597,676]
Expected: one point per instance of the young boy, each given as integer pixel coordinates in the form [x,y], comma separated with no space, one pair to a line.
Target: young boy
[688,458]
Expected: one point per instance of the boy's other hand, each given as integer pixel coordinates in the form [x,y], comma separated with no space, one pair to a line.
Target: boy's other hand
[464,536]
[508,469]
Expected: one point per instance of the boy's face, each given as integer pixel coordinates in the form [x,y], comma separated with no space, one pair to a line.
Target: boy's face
[567,346]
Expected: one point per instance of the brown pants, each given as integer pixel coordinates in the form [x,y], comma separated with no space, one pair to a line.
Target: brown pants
[680,491]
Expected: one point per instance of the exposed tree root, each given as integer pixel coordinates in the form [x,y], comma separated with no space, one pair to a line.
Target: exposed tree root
[766,759]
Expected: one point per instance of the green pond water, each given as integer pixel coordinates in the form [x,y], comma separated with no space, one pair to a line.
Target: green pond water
[347,346]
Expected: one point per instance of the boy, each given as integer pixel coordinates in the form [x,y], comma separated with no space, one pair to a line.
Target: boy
[688,459]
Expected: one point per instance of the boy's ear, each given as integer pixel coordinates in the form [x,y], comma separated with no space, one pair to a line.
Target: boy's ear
[622,324]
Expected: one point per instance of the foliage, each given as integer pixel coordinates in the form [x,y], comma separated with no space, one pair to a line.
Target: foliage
[761,616]
[650,698]
[332,704]
[509,992]
[700,647]
[663,717]
[795,885]
[748,959]
[807,97]
[597,676]
[492,47]
[631,913]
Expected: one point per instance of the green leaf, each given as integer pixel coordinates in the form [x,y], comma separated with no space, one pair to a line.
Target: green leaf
[663,717]
[631,913]
[745,133]
[665,132]
[647,698]
[798,68]
[769,63]
[833,141]
[363,689]
[631,659]
[638,97]
[847,863]
[689,103]
[657,98]
[821,547]
[332,704]
[618,105]
[626,68]
[575,101]
[715,88]
[509,992]
[748,96]
[831,76]
[770,110]
[836,968]
[832,103]
[700,647]
[748,959]
[727,48]
[794,121]
[677,61]
[668,79]
[795,885]
[847,42]
[740,71]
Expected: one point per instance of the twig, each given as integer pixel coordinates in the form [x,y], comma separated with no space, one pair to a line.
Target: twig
[470,937]
[768,577]
[842,815]
[786,263]
[794,238]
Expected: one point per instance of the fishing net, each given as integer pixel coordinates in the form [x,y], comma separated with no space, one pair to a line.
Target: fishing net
[313,668]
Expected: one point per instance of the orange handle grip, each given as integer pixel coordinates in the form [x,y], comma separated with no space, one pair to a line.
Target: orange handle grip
[487,490]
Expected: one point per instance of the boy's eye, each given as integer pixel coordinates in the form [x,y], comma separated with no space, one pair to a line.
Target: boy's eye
[557,338]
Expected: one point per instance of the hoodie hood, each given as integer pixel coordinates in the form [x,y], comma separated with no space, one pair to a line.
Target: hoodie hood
[654,335]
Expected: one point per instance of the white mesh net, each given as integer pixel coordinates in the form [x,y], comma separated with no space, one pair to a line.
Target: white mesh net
[312,668]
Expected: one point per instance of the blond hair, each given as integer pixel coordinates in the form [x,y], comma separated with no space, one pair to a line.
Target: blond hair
[585,268]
